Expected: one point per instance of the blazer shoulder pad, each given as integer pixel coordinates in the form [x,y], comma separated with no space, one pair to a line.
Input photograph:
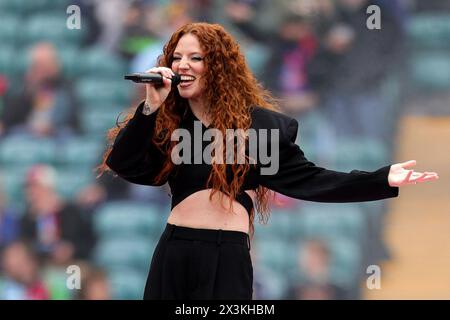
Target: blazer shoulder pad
[263,118]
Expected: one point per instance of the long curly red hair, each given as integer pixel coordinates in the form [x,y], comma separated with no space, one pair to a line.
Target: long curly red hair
[230,92]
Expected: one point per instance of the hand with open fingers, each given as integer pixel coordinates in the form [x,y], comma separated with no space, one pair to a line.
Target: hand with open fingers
[400,174]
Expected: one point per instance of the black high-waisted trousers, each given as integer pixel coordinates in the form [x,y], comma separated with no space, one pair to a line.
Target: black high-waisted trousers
[193,263]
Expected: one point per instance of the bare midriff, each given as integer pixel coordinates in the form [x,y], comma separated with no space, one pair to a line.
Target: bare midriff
[198,211]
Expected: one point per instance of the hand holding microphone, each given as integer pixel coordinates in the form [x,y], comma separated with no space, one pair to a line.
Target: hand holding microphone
[158,82]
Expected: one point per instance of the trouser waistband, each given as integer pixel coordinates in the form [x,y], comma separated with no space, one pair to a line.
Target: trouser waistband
[218,236]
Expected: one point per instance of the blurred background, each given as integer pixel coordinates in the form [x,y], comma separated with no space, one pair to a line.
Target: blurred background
[364,99]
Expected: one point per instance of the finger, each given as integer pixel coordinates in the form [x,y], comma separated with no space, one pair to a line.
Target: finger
[409,163]
[166,73]
[432,176]
[408,176]
[167,82]
[161,70]
[420,176]
[429,174]
[153,70]
[417,175]
[427,179]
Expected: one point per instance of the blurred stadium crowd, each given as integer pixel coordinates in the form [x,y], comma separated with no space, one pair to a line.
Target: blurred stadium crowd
[61,89]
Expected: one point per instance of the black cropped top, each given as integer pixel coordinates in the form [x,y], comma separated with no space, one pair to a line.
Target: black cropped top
[135,159]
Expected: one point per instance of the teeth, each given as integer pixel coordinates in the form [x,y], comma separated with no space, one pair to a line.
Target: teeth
[187,78]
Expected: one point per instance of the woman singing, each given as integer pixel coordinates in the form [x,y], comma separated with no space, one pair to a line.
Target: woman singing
[203,252]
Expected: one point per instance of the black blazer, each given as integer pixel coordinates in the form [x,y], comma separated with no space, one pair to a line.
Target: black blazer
[136,159]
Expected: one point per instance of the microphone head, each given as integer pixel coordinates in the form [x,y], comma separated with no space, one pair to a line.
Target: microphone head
[176,79]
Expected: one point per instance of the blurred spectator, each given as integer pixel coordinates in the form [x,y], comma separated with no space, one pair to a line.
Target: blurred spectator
[430,5]
[90,197]
[9,222]
[3,89]
[136,31]
[314,266]
[89,21]
[109,14]
[163,21]
[266,14]
[46,104]
[22,280]
[57,229]
[94,285]
[292,47]
[350,68]
[267,282]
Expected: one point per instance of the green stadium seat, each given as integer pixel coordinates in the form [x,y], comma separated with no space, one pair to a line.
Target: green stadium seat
[106,107]
[279,225]
[70,182]
[331,220]
[431,70]
[51,27]
[130,252]
[101,63]
[80,152]
[346,264]
[94,91]
[20,62]
[68,56]
[256,56]
[127,284]
[11,6]
[12,180]
[48,5]
[429,31]
[128,218]
[9,29]
[360,153]
[22,7]
[273,253]
[96,123]
[7,56]
[24,150]
[313,135]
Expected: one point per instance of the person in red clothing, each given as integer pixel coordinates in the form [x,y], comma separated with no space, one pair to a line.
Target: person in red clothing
[54,226]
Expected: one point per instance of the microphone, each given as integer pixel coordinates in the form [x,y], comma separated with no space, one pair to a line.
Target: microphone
[151,77]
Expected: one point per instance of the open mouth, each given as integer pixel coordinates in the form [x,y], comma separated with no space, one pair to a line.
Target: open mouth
[185,78]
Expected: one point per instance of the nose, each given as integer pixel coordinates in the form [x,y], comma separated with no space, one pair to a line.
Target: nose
[183,64]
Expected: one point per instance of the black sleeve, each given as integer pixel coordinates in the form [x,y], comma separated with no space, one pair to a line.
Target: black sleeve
[301,179]
[134,157]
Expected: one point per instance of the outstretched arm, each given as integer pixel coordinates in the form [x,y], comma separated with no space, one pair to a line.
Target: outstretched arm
[299,178]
